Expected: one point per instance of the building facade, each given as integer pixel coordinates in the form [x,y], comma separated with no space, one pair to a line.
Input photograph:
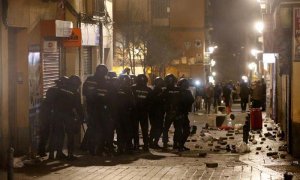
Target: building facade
[280,38]
[39,42]
[186,32]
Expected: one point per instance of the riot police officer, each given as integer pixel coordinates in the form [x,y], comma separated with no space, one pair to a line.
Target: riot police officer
[141,95]
[172,99]
[104,98]
[46,115]
[156,113]
[73,122]
[185,108]
[89,92]
[124,108]
[62,110]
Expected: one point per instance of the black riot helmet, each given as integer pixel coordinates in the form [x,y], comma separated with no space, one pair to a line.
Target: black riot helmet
[158,82]
[61,81]
[101,71]
[125,80]
[183,83]
[141,80]
[75,80]
[170,80]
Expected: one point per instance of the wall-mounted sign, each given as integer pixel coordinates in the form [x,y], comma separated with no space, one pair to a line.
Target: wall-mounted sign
[63,28]
[74,40]
[50,46]
[90,34]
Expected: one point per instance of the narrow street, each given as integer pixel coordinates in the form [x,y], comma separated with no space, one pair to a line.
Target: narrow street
[173,165]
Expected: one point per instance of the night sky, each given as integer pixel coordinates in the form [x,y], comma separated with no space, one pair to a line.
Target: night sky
[232,20]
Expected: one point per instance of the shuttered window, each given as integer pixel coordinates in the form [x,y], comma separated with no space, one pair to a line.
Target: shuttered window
[51,70]
[87,60]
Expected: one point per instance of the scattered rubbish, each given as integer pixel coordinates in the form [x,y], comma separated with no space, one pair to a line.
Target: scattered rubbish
[263,139]
[202,154]
[282,148]
[210,144]
[194,140]
[223,142]
[197,146]
[242,148]
[261,142]
[18,162]
[254,141]
[282,156]
[207,137]
[238,126]
[211,165]
[270,149]
[229,134]
[217,147]
[231,137]
[275,156]
[258,148]
[272,153]
[257,153]
[269,129]
[268,134]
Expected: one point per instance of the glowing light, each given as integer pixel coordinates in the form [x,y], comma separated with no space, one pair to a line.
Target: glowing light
[214,73]
[197,83]
[252,66]
[212,63]
[259,26]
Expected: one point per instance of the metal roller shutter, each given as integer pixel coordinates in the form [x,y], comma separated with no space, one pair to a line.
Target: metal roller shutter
[87,61]
[51,69]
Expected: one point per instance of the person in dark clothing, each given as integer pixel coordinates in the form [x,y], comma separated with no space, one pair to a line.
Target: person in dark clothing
[244,94]
[57,123]
[185,108]
[104,125]
[89,92]
[124,110]
[73,121]
[46,115]
[157,113]
[227,90]
[141,111]
[217,95]
[63,117]
[172,99]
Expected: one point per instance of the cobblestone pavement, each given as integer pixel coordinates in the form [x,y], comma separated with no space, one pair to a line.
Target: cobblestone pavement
[157,164]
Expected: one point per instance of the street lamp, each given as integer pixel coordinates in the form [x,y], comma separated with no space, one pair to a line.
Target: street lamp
[252,66]
[211,49]
[259,26]
[212,63]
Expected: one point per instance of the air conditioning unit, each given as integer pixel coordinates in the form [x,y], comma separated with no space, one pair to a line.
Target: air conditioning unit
[98,8]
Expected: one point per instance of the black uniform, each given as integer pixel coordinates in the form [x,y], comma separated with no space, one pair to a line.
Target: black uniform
[185,108]
[63,118]
[172,99]
[156,115]
[46,117]
[104,124]
[89,91]
[141,95]
[124,108]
